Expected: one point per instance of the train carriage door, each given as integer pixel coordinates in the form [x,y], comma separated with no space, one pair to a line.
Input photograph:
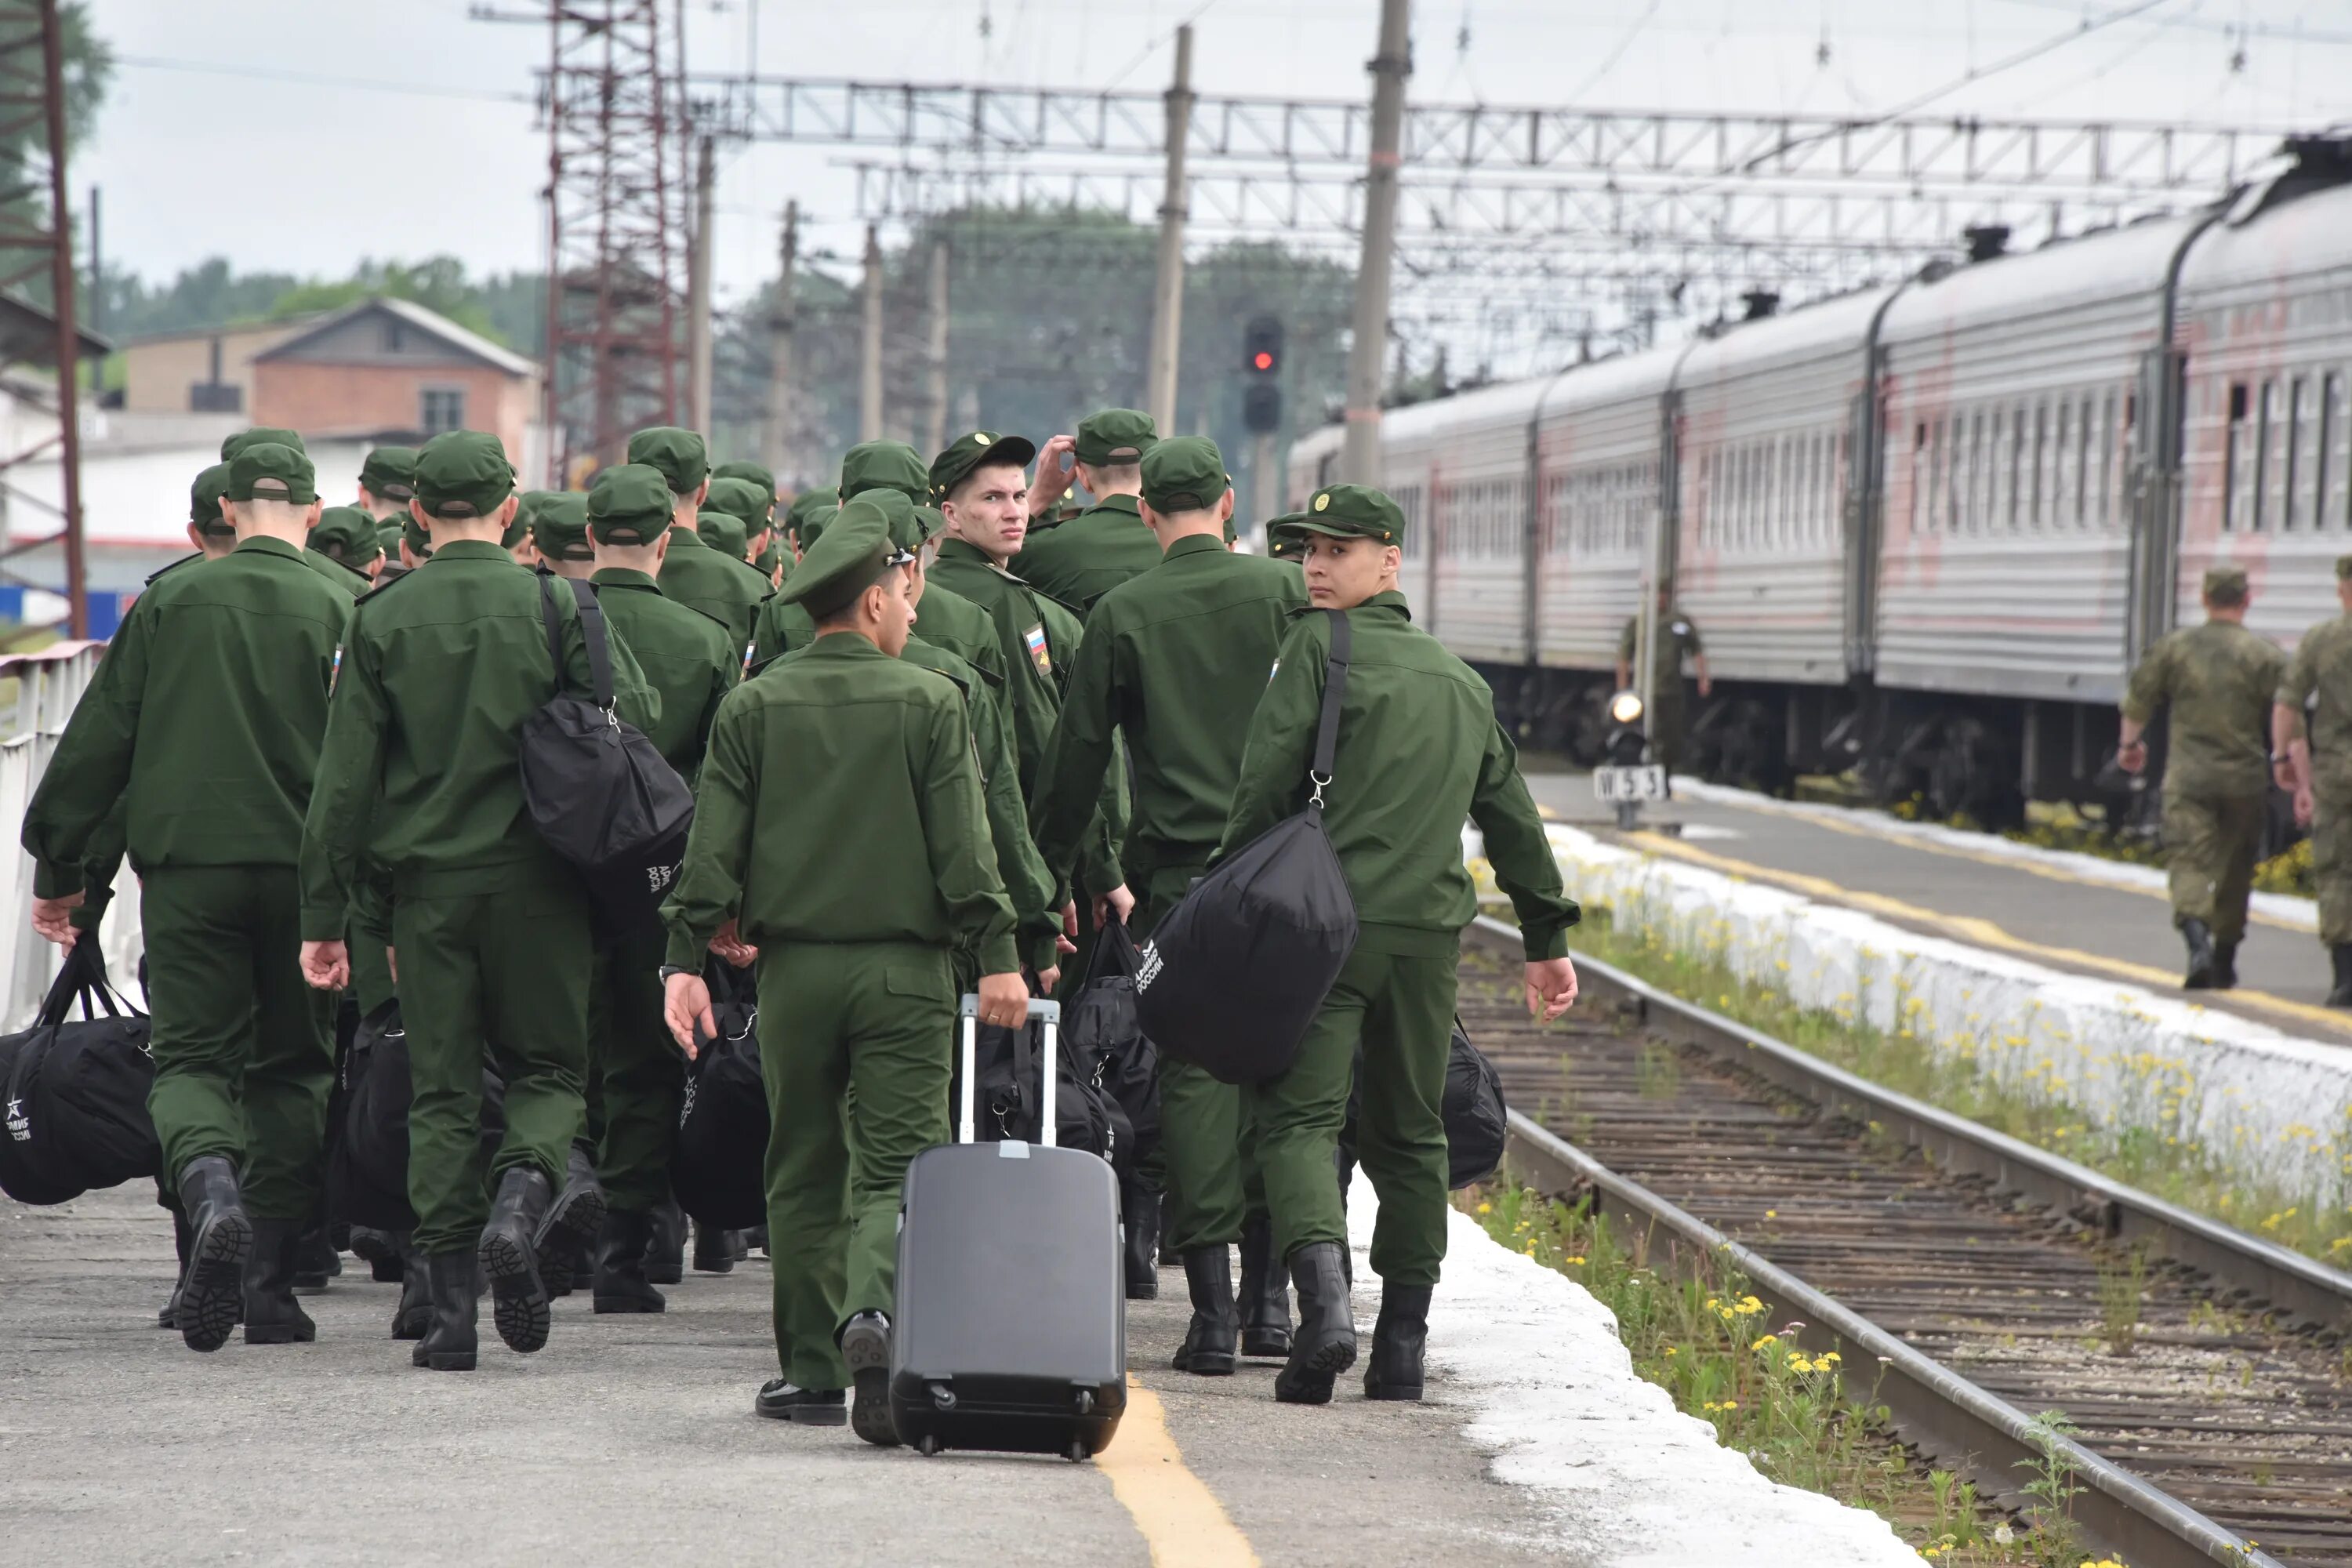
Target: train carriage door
[1861,515]
[2154,428]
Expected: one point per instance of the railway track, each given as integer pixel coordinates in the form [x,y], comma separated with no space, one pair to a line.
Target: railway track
[1961,1271]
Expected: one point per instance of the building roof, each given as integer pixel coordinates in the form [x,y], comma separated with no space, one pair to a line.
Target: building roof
[431,323]
[286,324]
[28,334]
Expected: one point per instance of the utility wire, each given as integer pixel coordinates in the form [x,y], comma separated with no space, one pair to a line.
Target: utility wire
[307,78]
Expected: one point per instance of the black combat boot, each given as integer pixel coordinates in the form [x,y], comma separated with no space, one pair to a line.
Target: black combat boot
[1325,1344]
[1399,1339]
[621,1285]
[779,1400]
[865,1346]
[272,1316]
[519,1296]
[666,1253]
[413,1316]
[220,1243]
[713,1252]
[450,1343]
[1139,1208]
[169,1318]
[2225,966]
[2200,938]
[1265,1294]
[380,1250]
[2342,958]
[571,1224]
[1208,1347]
[316,1261]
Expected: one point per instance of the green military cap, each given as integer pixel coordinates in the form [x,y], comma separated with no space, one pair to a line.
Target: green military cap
[809,502]
[851,558]
[346,534]
[558,526]
[267,471]
[1280,542]
[462,474]
[884,466]
[232,445]
[629,505]
[1184,473]
[419,543]
[910,525]
[814,524]
[390,472]
[741,499]
[1349,511]
[2225,580]
[725,533]
[388,531]
[1114,436]
[744,468]
[968,452]
[204,499]
[681,455]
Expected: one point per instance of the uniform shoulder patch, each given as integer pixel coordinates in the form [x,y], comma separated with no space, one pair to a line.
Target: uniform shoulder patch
[1040,655]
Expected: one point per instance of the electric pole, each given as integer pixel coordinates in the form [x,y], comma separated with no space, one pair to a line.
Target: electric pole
[1168,288]
[937,367]
[869,391]
[1359,458]
[697,307]
[779,353]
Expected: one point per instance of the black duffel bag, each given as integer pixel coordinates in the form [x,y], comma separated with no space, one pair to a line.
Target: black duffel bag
[75,1091]
[1477,1121]
[719,1169]
[1103,1036]
[1085,1114]
[367,1167]
[1235,973]
[597,791]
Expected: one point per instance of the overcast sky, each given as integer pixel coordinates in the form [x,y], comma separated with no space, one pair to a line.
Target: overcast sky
[306,135]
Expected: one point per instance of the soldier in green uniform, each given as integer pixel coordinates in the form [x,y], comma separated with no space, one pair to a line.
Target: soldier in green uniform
[418,772]
[2218,679]
[1419,751]
[255,436]
[559,531]
[734,516]
[767,552]
[725,535]
[1176,659]
[346,536]
[1080,560]
[2316,765]
[388,482]
[690,661]
[727,590]
[1675,637]
[208,730]
[840,831]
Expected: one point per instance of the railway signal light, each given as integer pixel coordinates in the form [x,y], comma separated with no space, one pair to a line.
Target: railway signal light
[1262,364]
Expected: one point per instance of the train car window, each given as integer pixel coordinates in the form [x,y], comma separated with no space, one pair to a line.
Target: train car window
[2108,452]
[2265,509]
[1980,473]
[2033,517]
[2237,506]
[2297,509]
[2331,454]
[2083,464]
[1947,436]
[2061,438]
[2014,477]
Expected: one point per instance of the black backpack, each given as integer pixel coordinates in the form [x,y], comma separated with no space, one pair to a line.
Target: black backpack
[1006,1109]
[596,789]
[1477,1121]
[367,1165]
[1236,970]
[719,1169]
[1101,1034]
[73,1092]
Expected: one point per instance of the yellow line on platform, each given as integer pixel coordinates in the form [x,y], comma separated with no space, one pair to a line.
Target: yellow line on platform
[1981,932]
[1180,1518]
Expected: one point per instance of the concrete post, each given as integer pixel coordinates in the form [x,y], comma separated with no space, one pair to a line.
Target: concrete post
[1359,458]
[1168,286]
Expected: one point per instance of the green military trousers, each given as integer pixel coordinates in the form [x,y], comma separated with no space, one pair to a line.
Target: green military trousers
[497,978]
[1206,1165]
[2331,853]
[856,1042]
[638,1072]
[2209,843]
[1400,1009]
[244,1047]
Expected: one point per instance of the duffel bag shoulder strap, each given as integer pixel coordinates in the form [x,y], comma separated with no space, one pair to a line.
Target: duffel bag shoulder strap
[592,632]
[82,978]
[1334,694]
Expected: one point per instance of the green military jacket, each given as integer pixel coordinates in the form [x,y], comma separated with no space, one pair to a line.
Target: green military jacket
[353,583]
[1677,640]
[944,619]
[2319,678]
[419,772]
[1176,659]
[2219,679]
[685,656]
[840,802]
[207,727]
[727,590]
[1419,751]
[1079,561]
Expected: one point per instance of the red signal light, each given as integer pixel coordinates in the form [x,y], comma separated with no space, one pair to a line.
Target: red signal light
[1262,360]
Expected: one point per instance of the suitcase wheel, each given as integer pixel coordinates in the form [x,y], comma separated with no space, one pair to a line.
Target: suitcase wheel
[1084,1401]
[1077,1451]
[928,1444]
[942,1396]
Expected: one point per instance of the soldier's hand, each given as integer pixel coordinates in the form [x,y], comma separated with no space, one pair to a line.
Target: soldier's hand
[1052,481]
[730,945]
[1047,979]
[1552,988]
[1004,1000]
[1117,901]
[686,1006]
[2302,805]
[327,966]
[53,918]
[2132,758]
[1705,687]
[2283,773]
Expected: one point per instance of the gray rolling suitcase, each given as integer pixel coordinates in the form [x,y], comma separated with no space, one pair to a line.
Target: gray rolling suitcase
[1010,1332]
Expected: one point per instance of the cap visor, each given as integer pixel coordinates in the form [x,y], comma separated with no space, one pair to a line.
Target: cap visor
[1007,449]
[1306,525]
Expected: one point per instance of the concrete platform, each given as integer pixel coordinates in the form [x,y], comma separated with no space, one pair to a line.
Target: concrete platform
[631,1440]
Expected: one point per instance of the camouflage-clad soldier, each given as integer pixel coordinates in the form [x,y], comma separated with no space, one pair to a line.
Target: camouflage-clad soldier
[1675,637]
[2317,766]
[2215,678]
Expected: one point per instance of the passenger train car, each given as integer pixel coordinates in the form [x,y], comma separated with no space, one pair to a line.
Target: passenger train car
[1925,528]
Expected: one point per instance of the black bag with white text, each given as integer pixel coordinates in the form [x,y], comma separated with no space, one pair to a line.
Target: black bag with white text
[76,1090]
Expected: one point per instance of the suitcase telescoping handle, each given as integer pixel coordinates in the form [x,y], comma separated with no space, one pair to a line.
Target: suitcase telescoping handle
[968,1016]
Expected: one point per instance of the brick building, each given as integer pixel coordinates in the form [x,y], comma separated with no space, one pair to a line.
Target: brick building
[388,370]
